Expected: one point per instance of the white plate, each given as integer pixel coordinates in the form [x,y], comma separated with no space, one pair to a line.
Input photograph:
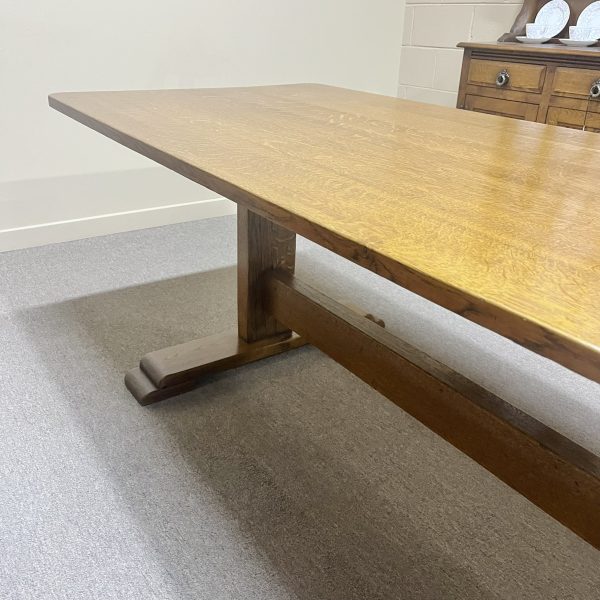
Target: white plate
[590,16]
[570,42]
[554,16]
[527,40]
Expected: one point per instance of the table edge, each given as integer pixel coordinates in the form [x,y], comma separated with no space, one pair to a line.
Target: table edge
[561,348]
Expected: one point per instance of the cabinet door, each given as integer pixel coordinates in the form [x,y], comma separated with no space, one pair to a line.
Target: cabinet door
[503,108]
[568,117]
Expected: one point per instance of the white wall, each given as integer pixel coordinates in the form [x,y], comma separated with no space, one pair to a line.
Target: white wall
[135,44]
[430,64]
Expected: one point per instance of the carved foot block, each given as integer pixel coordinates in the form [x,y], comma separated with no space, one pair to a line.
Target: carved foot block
[177,369]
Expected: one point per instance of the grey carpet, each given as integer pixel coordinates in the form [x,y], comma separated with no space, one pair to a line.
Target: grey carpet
[285,479]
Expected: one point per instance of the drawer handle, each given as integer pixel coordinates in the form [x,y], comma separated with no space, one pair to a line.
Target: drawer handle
[595,89]
[502,78]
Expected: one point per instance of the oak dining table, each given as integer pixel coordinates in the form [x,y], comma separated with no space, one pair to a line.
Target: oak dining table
[495,219]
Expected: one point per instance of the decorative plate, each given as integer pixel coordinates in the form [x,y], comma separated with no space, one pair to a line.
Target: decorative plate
[554,16]
[572,42]
[590,16]
[527,40]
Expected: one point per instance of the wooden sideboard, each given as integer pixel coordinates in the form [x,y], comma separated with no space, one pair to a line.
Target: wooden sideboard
[546,83]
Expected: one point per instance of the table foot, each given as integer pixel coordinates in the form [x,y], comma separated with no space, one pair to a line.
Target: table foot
[177,369]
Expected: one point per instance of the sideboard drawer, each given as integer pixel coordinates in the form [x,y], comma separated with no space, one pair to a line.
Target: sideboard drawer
[574,82]
[523,77]
[568,117]
[503,108]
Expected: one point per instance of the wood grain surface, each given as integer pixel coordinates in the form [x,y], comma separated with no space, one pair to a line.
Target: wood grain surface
[171,371]
[499,106]
[493,218]
[261,247]
[575,82]
[553,472]
[523,77]
[542,49]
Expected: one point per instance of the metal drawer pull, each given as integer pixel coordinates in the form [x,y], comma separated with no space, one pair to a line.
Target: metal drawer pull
[502,78]
[595,89]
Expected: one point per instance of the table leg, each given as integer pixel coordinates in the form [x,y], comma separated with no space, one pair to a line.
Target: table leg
[263,247]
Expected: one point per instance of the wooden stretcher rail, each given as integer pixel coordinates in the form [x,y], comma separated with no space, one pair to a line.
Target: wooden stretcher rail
[553,472]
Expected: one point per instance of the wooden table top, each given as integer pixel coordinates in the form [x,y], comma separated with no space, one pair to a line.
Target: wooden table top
[493,218]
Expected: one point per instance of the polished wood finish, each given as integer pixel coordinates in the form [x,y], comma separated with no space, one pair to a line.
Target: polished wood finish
[492,218]
[262,246]
[575,104]
[504,94]
[464,209]
[190,360]
[146,392]
[574,82]
[504,108]
[538,76]
[575,119]
[553,472]
[523,77]
[174,370]
[541,52]
[171,371]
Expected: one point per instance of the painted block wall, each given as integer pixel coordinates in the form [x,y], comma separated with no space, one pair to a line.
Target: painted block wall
[430,62]
[60,180]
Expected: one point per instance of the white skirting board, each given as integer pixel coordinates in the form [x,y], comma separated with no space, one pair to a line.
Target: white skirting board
[60,209]
[76,229]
